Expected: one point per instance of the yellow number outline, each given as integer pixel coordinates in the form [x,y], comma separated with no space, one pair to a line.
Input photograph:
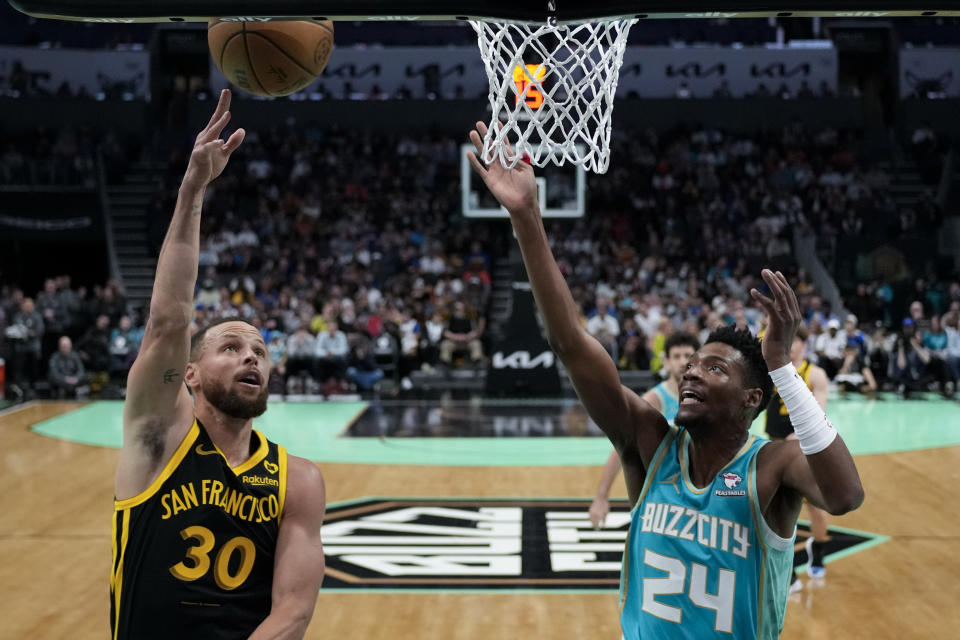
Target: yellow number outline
[200,555]
[220,568]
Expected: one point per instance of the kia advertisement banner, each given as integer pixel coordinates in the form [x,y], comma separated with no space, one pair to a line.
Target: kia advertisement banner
[929,73]
[647,72]
[522,362]
[116,74]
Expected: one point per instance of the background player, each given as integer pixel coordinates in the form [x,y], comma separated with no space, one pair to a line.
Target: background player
[217,531]
[779,428]
[738,539]
[663,397]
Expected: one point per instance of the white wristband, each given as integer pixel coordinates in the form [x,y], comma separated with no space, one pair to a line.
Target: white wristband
[810,423]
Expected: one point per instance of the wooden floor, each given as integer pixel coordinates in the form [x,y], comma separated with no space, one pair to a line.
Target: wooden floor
[55,520]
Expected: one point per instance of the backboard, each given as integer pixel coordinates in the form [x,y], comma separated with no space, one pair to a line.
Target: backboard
[496,10]
[562,191]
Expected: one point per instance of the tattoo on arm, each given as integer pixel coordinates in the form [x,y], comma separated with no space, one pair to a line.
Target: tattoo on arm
[170,375]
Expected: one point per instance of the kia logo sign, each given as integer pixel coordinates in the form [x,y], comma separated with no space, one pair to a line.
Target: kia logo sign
[779,70]
[459,70]
[522,360]
[695,70]
[352,71]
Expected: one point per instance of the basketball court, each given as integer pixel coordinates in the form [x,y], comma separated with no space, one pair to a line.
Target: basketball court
[488,484]
[466,517]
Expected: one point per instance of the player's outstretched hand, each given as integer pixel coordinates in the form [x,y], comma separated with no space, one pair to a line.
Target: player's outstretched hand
[210,153]
[783,314]
[515,189]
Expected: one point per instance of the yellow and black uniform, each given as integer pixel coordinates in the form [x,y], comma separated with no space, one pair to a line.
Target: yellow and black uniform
[778,420]
[193,553]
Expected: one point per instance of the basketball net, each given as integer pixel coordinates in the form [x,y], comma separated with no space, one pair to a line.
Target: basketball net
[551,90]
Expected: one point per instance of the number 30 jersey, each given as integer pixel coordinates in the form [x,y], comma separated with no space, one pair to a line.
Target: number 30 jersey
[193,553]
[702,563]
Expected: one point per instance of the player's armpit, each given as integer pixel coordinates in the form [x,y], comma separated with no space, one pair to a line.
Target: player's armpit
[299,563]
[157,412]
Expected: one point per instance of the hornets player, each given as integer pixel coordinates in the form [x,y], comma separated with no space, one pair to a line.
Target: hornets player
[216,529]
[715,510]
[663,397]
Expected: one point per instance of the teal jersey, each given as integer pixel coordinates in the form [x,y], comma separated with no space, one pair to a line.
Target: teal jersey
[669,404]
[702,563]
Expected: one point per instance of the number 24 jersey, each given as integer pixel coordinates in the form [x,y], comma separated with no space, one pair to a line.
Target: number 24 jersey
[702,563]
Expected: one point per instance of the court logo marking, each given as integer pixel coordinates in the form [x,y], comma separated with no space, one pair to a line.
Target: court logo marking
[448,544]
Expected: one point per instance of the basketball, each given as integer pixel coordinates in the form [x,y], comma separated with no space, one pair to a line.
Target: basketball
[271,58]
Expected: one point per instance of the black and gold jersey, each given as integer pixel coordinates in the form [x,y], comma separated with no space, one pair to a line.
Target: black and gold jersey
[193,553]
[778,419]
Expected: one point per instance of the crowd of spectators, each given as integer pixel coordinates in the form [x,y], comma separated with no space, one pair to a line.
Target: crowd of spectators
[64,156]
[678,234]
[45,156]
[67,341]
[715,200]
[919,351]
[355,271]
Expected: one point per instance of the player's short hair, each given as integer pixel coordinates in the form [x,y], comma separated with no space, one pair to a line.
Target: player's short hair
[802,332]
[197,341]
[680,339]
[756,367]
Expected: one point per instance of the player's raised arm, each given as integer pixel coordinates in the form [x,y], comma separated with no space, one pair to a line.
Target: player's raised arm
[156,396]
[615,409]
[821,469]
